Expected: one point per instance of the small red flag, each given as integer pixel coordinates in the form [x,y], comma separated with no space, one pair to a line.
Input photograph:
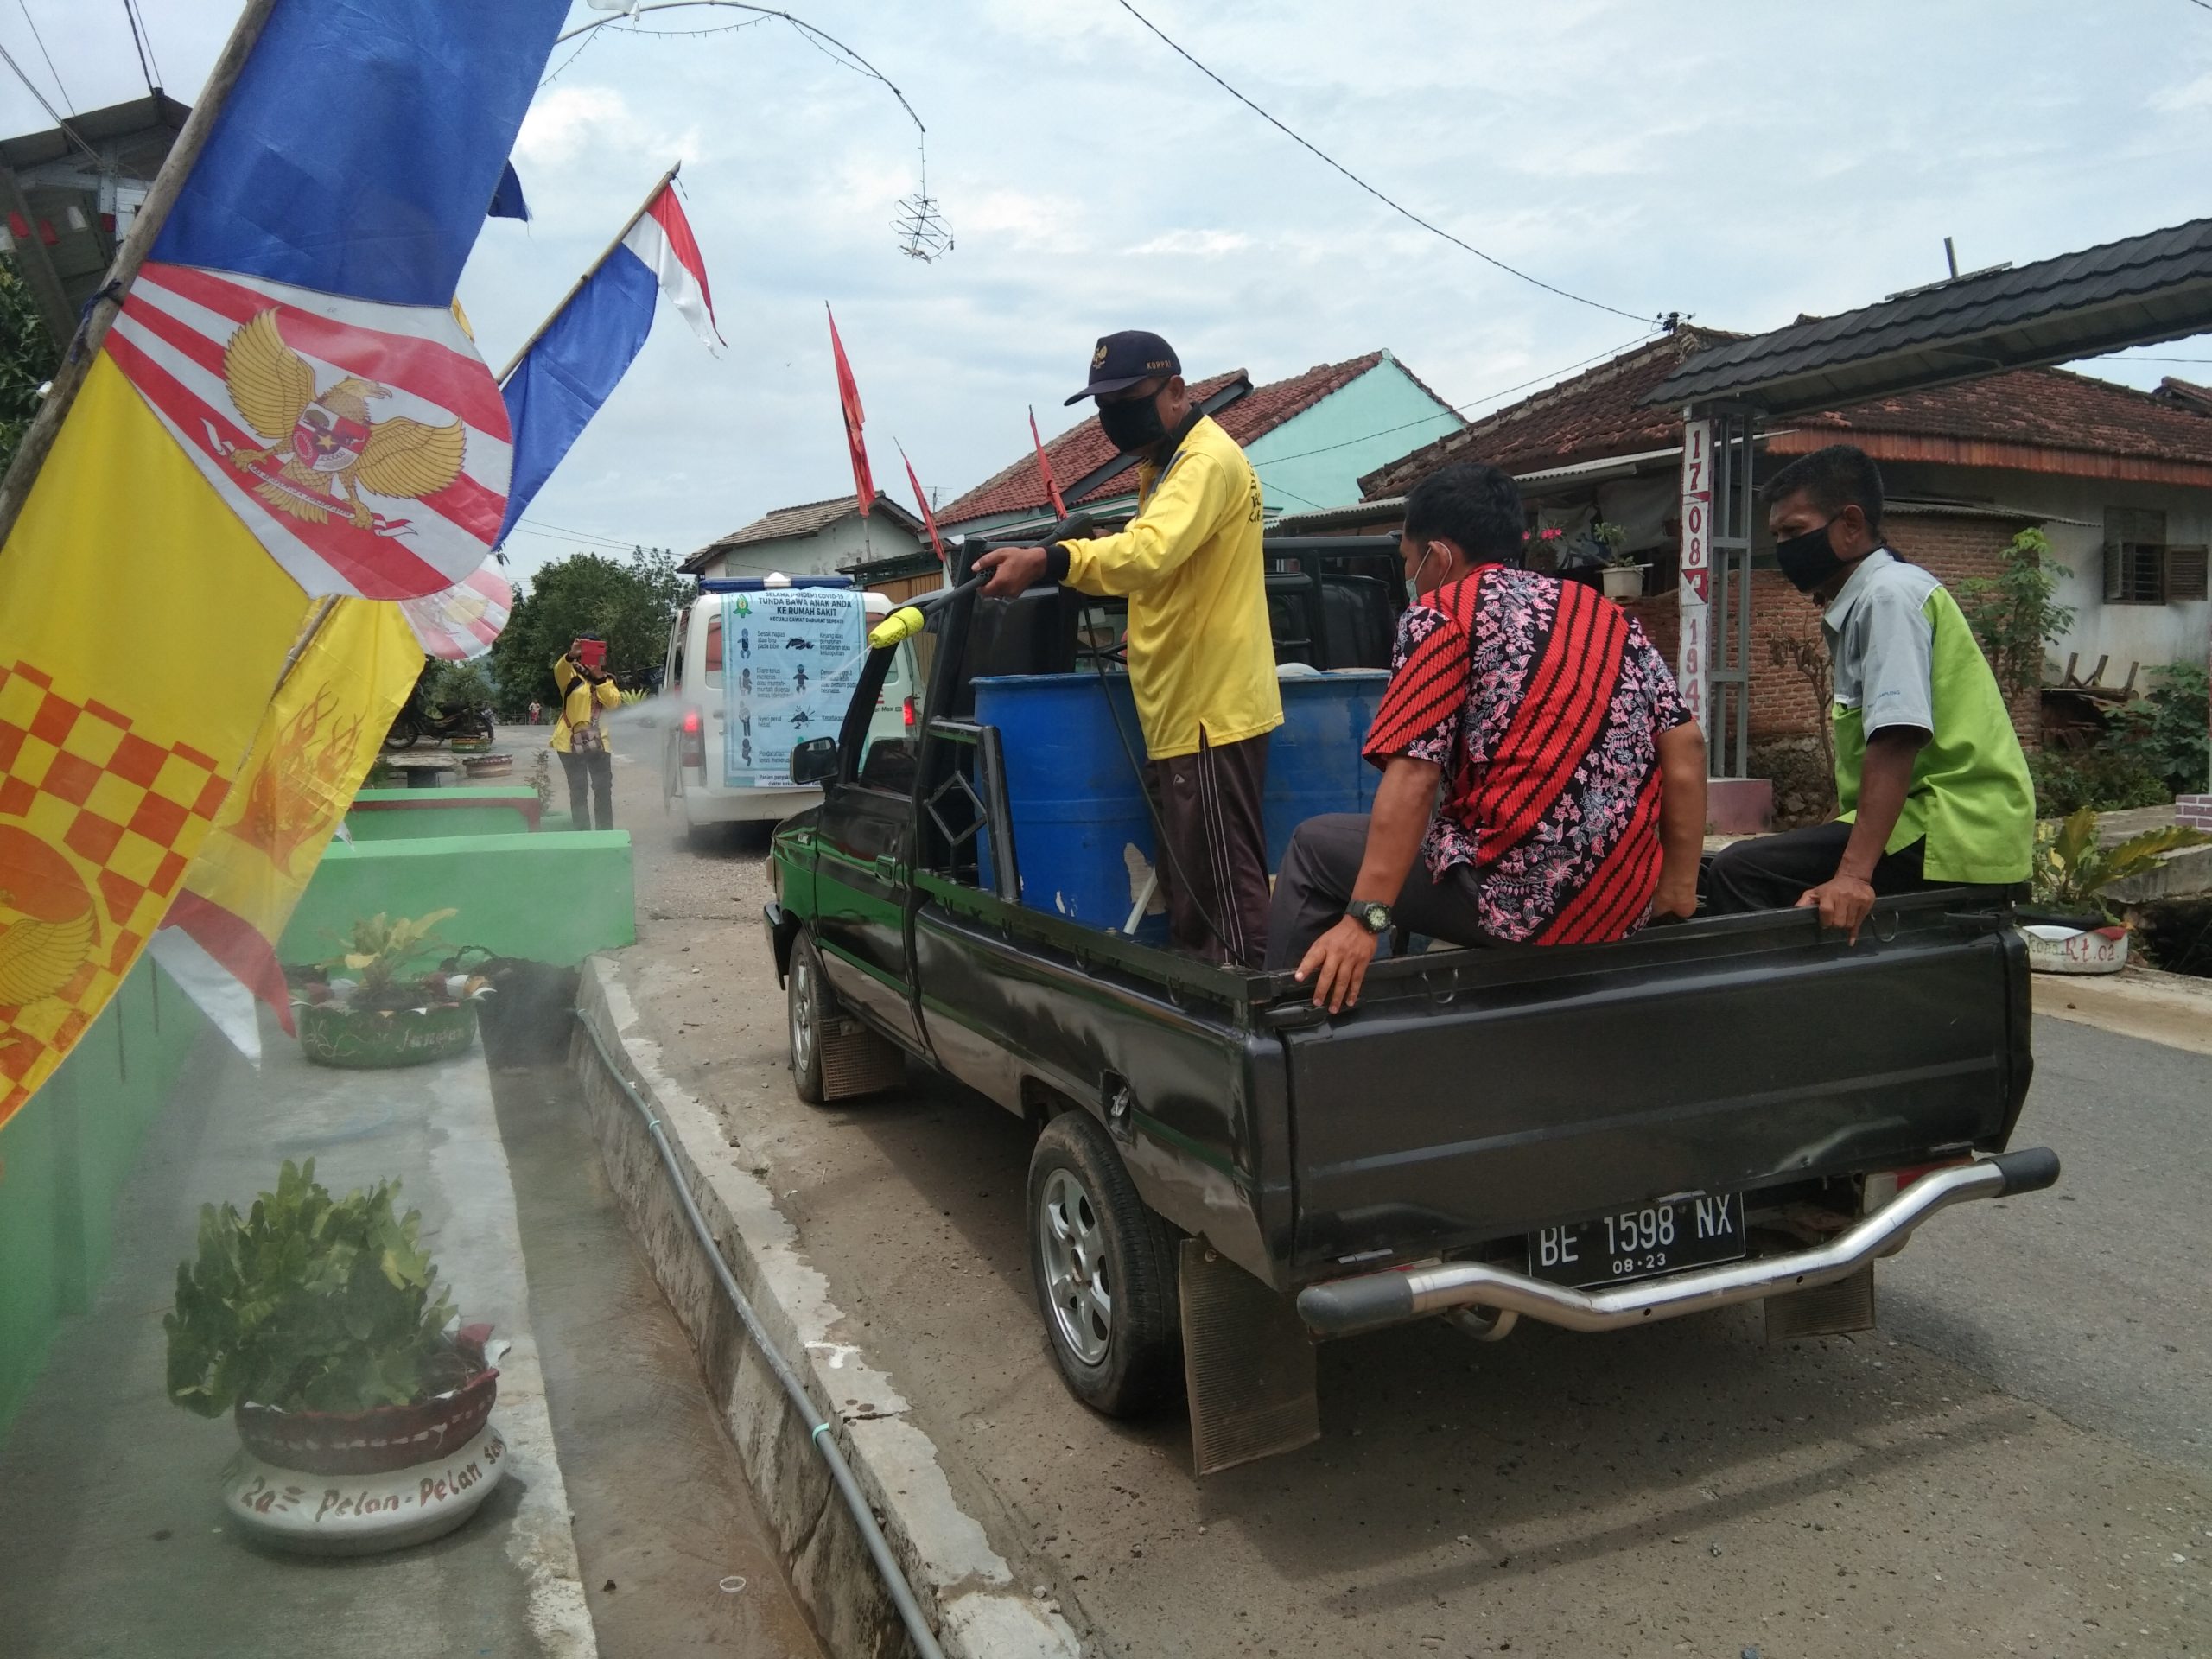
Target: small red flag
[1051,489]
[929,519]
[849,395]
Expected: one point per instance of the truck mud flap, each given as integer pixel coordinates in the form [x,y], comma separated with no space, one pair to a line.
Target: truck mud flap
[1248,1364]
[855,1061]
[1834,1310]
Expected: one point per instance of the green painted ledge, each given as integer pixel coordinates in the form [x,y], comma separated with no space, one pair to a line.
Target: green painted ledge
[466,810]
[548,897]
[64,1157]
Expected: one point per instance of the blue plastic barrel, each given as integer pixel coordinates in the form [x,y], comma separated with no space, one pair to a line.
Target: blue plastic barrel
[1077,809]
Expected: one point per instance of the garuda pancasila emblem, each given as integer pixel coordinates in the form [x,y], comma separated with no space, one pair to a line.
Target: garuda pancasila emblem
[330,450]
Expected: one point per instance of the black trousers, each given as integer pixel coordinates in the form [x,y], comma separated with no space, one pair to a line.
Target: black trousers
[594,773]
[1214,868]
[1773,872]
[1315,885]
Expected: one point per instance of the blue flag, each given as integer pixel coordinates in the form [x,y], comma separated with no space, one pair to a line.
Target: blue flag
[357,152]
[573,366]
[507,201]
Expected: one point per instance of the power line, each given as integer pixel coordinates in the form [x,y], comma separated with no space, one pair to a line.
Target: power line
[2207,6]
[1503,392]
[1403,212]
[23,6]
[142,39]
[31,86]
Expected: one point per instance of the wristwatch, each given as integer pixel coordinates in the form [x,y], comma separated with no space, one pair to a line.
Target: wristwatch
[1374,918]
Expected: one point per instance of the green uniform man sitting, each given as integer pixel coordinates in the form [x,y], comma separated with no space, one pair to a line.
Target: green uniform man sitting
[1933,789]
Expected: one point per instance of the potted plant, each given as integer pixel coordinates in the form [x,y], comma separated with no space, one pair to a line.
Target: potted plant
[2072,930]
[319,1324]
[1623,575]
[379,1002]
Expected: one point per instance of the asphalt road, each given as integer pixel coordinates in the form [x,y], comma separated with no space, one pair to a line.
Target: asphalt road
[2016,1462]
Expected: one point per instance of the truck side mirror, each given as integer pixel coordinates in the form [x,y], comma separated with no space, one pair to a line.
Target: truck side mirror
[815,760]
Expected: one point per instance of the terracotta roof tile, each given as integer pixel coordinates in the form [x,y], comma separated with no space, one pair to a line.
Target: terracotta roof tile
[1083,449]
[806,518]
[1599,413]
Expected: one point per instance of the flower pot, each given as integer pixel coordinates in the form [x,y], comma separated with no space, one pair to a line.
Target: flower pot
[2086,947]
[469,745]
[350,1483]
[334,1035]
[488,765]
[1624,581]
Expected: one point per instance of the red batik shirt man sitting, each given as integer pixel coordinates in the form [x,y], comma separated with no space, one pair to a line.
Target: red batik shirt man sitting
[1542,781]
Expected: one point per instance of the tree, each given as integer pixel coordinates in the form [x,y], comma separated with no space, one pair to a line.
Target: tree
[27,359]
[630,602]
[2012,614]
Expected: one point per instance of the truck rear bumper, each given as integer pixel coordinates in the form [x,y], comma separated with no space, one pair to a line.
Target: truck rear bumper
[1342,1307]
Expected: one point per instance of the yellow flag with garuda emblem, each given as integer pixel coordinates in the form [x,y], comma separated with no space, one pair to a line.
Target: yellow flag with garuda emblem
[317,740]
[282,407]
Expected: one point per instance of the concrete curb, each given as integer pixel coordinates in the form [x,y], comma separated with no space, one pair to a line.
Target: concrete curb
[965,1585]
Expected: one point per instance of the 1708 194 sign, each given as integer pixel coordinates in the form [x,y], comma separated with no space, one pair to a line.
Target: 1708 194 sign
[1664,1236]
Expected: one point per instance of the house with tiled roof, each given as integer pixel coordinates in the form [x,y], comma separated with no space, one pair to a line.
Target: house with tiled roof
[2120,481]
[814,539]
[1308,437]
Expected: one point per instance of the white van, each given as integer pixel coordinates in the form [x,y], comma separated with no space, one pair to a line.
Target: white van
[698,701]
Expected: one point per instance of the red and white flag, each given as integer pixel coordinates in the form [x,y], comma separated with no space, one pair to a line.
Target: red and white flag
[662,242]
[1043,465]
[462,621]
[848,396]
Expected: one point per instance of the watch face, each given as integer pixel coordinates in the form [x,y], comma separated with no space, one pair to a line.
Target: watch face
[1374,918]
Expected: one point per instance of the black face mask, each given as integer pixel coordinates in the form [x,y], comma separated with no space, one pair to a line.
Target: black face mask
[1808,560]
[1132,424]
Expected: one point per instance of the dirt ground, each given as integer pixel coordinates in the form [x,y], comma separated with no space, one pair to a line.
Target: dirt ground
[2017,1463]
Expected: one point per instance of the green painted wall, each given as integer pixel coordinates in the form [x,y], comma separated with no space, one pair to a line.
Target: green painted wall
[64,1157]
[1384,413]
[548,897]
[471,809]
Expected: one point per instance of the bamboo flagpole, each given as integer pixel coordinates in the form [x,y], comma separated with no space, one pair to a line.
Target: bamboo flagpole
[153,213]
[590,271]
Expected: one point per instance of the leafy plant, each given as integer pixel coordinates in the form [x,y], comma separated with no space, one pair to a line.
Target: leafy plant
[2071,869]
[1614,540]
[309,1302]
[1806,655]
[2101,779]
[2170,728]
[451,687]
[378,948]
[28,359]
[2013,613]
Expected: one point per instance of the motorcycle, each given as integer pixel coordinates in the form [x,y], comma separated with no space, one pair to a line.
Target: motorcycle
[417,720]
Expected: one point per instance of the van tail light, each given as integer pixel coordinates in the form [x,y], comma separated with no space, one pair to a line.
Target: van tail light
[907,710]
[692,752]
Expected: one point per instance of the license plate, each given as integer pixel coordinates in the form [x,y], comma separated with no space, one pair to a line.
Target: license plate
[1640,1243]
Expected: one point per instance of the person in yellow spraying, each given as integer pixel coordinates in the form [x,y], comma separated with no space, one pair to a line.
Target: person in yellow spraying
[579,738]
[1202,660]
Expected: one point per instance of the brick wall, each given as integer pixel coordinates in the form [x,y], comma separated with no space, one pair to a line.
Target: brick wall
[1784,703]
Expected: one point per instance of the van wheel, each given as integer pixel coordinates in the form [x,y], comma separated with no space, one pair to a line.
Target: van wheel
[1104,1268]
[806,997]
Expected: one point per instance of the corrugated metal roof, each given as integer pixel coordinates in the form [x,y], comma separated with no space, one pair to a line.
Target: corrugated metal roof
[2136,291]
[807,518]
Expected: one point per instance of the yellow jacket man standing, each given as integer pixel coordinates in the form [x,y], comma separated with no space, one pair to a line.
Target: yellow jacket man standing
[1201,661]
[579,737]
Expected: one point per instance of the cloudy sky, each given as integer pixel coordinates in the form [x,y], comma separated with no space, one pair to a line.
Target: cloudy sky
[1738,163]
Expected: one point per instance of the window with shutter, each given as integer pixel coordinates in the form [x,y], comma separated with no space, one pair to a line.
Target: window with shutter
[2185,573]
[2135,557]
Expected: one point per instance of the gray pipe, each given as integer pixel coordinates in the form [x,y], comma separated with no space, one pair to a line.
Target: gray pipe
[878,1548]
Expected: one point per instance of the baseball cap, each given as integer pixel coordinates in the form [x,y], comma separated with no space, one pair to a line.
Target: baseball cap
[1121,360]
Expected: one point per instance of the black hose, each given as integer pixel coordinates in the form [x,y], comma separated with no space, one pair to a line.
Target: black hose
[878,1548]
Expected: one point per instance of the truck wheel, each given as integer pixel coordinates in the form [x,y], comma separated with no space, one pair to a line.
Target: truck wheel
[1104,1268]
[806,995]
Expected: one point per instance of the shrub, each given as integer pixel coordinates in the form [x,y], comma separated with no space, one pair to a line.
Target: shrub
[2102,779]
[2166,729]
[2012,614]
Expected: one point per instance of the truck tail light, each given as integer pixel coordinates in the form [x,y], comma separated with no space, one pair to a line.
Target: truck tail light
[907,709]
[692,751]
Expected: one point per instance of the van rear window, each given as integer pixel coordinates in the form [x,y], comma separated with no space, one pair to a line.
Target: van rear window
[711,670]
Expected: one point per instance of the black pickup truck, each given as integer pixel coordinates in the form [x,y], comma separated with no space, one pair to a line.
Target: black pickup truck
[1725,1110]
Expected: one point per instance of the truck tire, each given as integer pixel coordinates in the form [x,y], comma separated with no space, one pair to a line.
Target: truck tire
[808,1004]
[1104,1268]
